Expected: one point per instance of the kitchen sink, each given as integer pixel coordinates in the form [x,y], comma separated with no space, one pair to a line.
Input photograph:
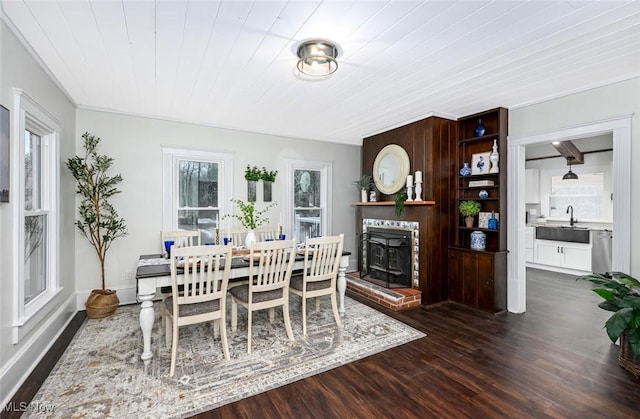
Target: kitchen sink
[563,233]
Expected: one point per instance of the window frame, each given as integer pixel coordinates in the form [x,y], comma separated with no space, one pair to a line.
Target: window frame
[326,205]
[171,157]
[29,115]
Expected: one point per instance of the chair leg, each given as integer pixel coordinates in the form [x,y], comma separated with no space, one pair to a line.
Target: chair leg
[223,337]
[249,316]
[334,307]
[234,315]
[317,304]
[287,321]
[304,316]
[272,314]
[174,347]
[168,325]
[216,328]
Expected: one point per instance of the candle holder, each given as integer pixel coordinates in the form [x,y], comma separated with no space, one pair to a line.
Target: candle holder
[418,191]
[409,193]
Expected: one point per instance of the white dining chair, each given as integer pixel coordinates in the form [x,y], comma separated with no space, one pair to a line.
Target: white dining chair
[321,262]
[181,238]
[270,269]
[205,271]
[237,234]
[267,233]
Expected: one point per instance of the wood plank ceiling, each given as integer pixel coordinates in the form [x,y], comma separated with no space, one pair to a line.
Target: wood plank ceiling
[231,63]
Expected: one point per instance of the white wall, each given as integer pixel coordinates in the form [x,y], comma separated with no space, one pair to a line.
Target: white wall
[607,102]
[19,70]
[136,143]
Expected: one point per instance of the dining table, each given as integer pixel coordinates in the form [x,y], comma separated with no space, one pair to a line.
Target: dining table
[154,271]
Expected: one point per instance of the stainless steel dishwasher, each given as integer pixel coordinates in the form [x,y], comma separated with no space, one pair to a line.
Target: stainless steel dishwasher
[601,250]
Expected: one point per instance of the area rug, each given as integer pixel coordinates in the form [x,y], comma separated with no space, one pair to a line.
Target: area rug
[101,374]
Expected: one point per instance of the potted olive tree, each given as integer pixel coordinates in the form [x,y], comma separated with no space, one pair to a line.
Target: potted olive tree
[621,294]
[98,220]
[469,209]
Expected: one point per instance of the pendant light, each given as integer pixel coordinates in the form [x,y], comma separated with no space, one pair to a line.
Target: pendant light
[570,175]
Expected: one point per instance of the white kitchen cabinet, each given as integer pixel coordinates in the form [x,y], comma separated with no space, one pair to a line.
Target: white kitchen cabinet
[532,186]
[563,254]
[529,240]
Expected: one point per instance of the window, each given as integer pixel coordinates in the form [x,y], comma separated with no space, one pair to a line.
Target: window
[587,195]
[37,177]
[198,191]
[307,205]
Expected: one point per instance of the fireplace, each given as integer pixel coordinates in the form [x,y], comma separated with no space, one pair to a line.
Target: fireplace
[386,256]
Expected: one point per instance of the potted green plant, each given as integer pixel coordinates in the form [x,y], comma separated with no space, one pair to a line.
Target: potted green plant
[469,209]
[398,206]
[249,217]
[268,177]
[364,184]
[252,175]
[621,294]
[98,220]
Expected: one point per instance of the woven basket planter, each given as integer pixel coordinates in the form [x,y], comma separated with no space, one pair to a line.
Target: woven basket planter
[625,357]
[101,304]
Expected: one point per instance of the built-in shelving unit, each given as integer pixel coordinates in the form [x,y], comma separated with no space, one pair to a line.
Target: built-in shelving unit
[478,277]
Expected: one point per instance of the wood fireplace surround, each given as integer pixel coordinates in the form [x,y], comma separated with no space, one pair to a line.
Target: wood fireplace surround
[430,144]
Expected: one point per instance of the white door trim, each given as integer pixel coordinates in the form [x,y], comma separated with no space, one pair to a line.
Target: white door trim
[620,128]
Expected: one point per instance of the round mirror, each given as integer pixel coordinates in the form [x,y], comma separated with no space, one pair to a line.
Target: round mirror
[390,169]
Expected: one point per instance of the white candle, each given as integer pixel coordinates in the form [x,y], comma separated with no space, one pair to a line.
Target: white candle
[418,176]
[409,181]
[280,222]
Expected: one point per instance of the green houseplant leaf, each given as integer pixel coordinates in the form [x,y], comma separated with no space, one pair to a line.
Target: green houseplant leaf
[249,216]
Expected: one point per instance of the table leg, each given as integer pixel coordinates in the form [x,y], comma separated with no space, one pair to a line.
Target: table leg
[342,283]
[147,317]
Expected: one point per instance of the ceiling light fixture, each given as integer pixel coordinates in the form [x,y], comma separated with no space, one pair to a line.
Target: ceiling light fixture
[570,175]
[317,58]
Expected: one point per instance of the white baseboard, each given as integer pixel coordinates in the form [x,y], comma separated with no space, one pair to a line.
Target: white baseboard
[16,370]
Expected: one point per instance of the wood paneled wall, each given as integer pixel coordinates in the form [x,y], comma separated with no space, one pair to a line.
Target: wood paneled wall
[430,144]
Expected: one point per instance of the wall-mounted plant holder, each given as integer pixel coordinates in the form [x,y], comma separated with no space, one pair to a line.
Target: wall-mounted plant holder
[267,191]
[252,187]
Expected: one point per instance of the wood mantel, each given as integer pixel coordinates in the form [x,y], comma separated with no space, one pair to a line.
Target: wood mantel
[383,203]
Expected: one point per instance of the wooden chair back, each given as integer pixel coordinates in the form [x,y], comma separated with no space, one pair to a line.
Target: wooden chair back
[322,258]
[182,238]
[270,266]
[268,232]
[237,234]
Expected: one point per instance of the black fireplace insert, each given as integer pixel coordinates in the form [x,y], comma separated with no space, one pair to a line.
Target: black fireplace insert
[385,257]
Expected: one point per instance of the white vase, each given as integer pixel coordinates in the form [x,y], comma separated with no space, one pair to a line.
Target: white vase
[494,157]
[250,239]
[363,195]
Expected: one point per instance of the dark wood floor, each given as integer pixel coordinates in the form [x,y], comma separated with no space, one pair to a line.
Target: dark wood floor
[553,361]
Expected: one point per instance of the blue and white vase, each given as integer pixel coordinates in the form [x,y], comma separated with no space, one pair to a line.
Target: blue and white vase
[480,129]
[483,194]
[466,170]
[478,240]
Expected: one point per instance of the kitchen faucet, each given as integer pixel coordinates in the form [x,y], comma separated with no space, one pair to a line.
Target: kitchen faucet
[572,220]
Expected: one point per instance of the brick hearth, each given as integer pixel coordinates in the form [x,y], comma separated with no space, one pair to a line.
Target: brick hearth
[396,299]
